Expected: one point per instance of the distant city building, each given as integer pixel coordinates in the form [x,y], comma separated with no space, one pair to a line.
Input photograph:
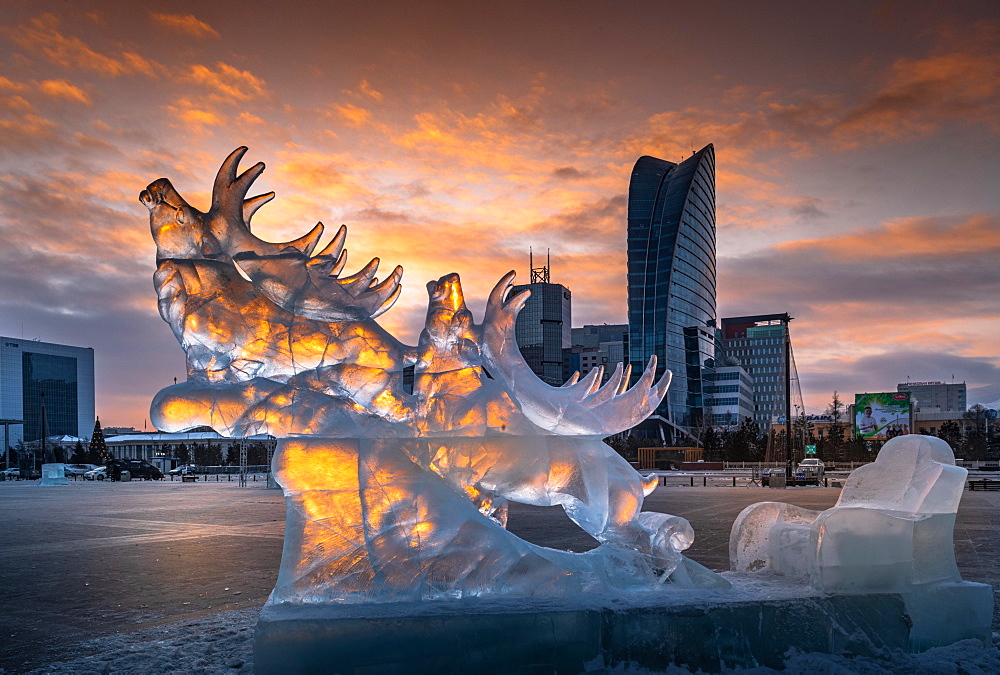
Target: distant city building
[543,328]
[758,344]
[65,441]
[64,374]
[671,283]
[935,396]
[930,422]
[729,395]
[163,450]
[121,431]
[593,346]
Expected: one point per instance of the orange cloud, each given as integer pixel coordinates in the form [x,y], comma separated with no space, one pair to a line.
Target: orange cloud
[912,97]
[43,35]
[365,90]
[15,103]
[352,114]
[908,237]
[64,90]
[227,83]
[922,93]
[13,132]
[10,85]
[193,116]
[186,23]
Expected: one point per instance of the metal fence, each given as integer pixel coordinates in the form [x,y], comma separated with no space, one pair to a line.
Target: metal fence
[234,470]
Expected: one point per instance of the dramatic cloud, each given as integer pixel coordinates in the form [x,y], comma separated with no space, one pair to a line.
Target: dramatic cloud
[42,35]
[856,168]
[945,261]
[876,295]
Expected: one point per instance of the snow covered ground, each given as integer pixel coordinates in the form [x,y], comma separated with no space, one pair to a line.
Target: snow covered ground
[208,528]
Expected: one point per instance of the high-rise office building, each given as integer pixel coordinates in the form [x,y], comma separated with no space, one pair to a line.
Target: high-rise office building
[593,346]
[671,282]
[758,343]
[728,395]
[64,374]
[543,328]
[931,396]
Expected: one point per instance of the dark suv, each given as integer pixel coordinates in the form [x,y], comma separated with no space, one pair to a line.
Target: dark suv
[137,468]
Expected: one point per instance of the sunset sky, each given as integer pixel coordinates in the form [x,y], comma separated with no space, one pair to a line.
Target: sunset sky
[857,153]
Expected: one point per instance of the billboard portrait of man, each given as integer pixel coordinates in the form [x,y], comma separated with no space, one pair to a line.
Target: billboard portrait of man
[878,413]
[866,422]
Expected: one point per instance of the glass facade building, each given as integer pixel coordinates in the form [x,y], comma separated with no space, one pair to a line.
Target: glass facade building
[544,329]
[729,395]
[758,343]
[64,374]
[671,280]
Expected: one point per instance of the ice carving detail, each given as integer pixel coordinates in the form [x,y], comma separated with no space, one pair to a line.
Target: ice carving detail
[393,491]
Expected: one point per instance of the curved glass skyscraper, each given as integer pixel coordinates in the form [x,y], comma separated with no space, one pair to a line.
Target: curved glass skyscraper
[671,279]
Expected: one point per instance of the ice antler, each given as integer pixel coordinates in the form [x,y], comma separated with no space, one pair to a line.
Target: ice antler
[583,407]
[286,273]
[310,286]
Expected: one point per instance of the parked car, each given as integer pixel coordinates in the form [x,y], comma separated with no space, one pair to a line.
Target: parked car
[182,470]
[11,473]
[100,473]
[137,468]
[812,465]
[800,477]
[77,469]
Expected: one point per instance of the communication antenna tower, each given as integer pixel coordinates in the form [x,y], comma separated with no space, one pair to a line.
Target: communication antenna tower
[539,275]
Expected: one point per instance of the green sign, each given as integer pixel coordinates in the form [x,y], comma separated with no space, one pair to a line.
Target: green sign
[810,449]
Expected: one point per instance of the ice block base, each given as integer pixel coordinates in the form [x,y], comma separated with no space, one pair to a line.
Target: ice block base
[755,624]
[54,474]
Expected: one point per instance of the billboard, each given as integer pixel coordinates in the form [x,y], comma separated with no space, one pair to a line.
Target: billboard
[882,416]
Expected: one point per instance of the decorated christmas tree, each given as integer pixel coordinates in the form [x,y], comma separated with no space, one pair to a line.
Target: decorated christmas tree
[98,453]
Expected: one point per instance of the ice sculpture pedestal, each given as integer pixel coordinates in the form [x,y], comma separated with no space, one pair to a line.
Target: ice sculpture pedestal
[754,623]
[54,474]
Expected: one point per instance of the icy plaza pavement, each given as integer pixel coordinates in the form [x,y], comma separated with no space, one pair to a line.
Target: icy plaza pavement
[162,577]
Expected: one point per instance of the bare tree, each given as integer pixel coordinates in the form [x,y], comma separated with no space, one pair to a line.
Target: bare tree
[976,433]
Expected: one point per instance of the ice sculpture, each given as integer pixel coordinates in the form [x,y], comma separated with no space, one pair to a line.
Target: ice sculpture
[397,491]
[54,474]
[891,529]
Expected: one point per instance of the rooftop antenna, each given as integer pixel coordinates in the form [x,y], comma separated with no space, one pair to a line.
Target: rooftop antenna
[539,275]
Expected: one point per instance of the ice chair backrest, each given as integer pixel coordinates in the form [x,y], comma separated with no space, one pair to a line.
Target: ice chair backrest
[912,474]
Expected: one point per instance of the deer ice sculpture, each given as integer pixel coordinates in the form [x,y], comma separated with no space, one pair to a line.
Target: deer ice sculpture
[397,492]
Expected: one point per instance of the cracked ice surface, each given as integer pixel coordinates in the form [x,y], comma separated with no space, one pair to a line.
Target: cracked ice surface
[398,490]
